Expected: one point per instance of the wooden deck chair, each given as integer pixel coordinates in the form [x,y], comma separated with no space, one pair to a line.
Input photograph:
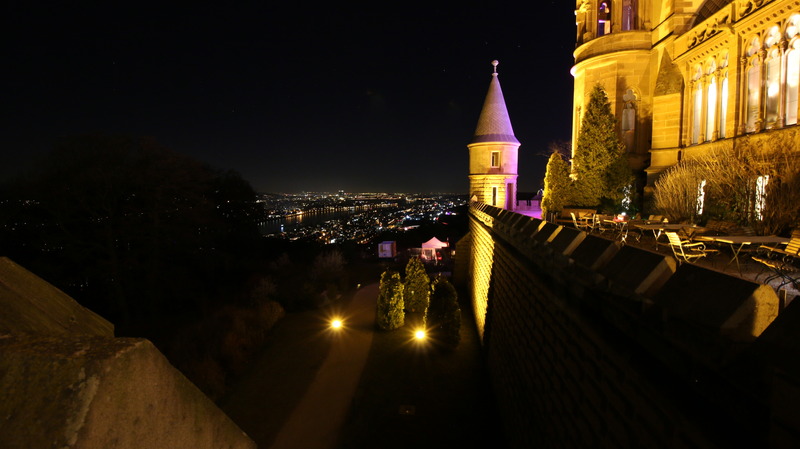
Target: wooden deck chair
[686,251]
[601,225]
[780,269]
[791,250]
[582,225]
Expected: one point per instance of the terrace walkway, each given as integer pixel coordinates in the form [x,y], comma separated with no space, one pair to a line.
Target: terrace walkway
[315,388]
[298,391]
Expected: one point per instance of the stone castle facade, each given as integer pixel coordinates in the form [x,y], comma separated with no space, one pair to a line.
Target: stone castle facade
[685,75]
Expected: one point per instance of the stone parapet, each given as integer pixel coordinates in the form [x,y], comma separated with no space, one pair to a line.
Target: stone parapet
[611,346]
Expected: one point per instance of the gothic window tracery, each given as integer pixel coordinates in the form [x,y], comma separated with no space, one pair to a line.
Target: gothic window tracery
[753,80]
[628,15]
[772,75]
[697,104]
[711,100]
[773,86]
[792,69]
[708,108]
[723,96]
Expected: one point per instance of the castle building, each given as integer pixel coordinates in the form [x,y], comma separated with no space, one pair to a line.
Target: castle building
[685,75]
[493,152]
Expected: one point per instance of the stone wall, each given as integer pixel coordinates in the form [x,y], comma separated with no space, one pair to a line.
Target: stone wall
[593,344]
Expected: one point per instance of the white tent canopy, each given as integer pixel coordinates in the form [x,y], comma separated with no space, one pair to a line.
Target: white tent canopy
[435,243]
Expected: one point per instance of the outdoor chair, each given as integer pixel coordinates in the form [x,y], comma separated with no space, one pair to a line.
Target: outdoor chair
[685,251]
[655,218]
[781,262]
[601,223]
[583,225]
[633,226]
[784,268]
[791,249]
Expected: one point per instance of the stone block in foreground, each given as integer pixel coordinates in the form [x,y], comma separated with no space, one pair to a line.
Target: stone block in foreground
[95,392]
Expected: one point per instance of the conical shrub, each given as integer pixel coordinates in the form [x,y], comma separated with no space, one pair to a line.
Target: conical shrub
[390,314]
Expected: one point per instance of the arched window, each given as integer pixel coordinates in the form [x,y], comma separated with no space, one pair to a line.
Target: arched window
[697,105]
[604,19]
[753,95]
[792,81]
[723,105]
[723,96]
[792,68]
[773,86]
[792,26]
[628,15]
[711,99]
[711,107]
[753,78]
[773,76]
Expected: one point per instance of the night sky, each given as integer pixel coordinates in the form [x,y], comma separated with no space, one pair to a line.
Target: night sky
[372,97]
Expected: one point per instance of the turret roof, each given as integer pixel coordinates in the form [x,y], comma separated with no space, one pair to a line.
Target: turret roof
[494,124]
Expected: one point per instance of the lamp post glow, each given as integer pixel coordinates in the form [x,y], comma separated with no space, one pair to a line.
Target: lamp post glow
[336,324]
[419,334]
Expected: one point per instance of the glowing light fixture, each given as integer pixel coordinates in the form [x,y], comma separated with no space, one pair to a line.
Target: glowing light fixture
[336,324]
[419,334]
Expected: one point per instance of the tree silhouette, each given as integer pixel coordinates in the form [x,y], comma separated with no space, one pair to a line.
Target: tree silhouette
[133,230]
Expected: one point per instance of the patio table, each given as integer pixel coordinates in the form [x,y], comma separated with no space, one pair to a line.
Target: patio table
[620,228]
[742,241]
[659,228]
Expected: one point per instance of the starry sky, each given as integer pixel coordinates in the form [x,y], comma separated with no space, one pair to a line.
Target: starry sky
[357,97]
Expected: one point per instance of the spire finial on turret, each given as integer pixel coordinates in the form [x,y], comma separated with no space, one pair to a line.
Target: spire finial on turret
[493,123]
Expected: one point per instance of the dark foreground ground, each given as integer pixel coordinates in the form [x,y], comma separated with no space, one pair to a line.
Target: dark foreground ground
[409,395]
[414,395]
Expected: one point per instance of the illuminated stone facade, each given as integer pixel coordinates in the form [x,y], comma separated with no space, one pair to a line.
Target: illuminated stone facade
[683,75]
[493,152]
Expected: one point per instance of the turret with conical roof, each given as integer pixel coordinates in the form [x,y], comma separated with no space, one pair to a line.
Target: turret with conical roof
[493,152]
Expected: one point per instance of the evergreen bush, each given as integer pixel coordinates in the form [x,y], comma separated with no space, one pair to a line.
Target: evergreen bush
[556,184]
[444,314]
[390,314]
[599,165]
[417,286]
